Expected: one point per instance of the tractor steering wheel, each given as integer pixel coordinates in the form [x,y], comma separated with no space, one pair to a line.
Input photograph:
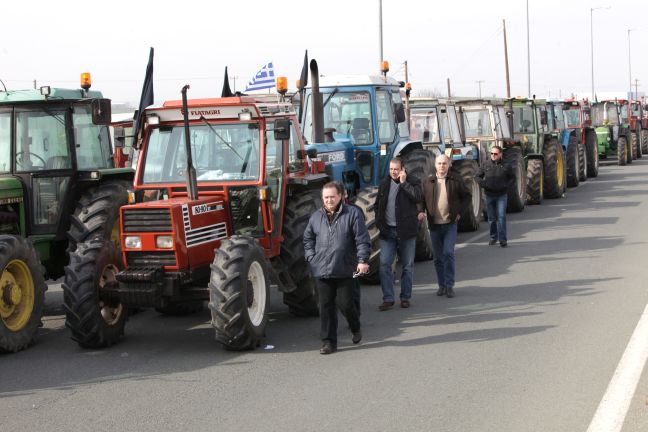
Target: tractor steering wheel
[20,157]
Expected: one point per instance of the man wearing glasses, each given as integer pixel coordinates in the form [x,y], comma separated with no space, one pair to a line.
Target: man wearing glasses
[496,177]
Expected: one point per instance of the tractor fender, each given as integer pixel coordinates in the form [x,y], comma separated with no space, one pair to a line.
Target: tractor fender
[406,146]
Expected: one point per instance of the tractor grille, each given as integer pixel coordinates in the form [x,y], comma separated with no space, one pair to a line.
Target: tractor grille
[150,259]
[147,220]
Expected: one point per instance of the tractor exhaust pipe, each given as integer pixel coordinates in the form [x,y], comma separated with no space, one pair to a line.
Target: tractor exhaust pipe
[317,105]
[192,182]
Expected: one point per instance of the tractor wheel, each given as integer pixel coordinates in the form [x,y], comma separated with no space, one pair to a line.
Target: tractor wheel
[95,319]
[239,293]
[637,145]
[583,162]
[470,215]
[517,193]
[644,141]
[554,169]
[303,300]
[22,293]
[592,154]
[97,214]
[630,156]
[365,200]
[535,181]
[622,147]
[419,163]
[632,139]
[181,308]
[574,162]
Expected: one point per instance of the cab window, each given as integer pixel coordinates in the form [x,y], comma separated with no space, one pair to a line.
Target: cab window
[5,142]
[41,141]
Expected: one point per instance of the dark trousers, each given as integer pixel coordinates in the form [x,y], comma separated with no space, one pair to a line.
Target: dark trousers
[336,294]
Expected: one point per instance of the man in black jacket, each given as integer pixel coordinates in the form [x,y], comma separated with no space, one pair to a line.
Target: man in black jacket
[396,210]
[496,177]
[336,244]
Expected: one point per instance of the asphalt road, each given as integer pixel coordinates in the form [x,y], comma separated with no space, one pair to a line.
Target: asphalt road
[530,343]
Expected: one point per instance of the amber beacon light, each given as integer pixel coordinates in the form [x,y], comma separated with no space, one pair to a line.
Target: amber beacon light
[86,81]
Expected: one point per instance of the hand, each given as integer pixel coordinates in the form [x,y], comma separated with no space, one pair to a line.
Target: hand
[421,216]
[458,217]
[402,176]
[362,268]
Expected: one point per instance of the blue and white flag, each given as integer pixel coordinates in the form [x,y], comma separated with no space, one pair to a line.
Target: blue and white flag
[263,79]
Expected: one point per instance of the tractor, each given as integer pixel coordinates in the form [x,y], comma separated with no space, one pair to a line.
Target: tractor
[58,189]
[613,137]
[436,124]
[356,124]
[222,194]
[544,156]
[485,123]
[638,125]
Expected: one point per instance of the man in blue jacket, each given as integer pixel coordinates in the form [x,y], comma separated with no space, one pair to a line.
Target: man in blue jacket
[336,245]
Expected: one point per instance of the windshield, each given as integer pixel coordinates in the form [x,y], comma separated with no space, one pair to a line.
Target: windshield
[598,114]
[347,114]
[559,117]
[501,123]
[612,113]
[424,125]
[572,117]
[41,140]
[624,112]
[523,119]
[220,152]
[635,109]
[93,147]
[477,124]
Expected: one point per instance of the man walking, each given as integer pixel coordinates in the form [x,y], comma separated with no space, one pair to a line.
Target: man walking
[496,177]
[445,195]
[396,218]
[336,244]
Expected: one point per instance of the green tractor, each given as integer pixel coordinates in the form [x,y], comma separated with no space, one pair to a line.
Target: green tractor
[612,135]
[58,188]
[539,144]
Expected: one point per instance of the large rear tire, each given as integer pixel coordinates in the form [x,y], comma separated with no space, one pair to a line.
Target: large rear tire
[622,148]
[95,319]
[591,148]
[239,293]
[303,300]
[554,169]
[517,193]
[472,214]
[574,162]
[637,144]
[644,141]
[535,174]
[419,163]
[22,293]
[365,201]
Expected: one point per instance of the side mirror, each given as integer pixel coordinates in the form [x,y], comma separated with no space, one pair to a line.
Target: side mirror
[399,110]
[101,111]
[119,137]
[281,129]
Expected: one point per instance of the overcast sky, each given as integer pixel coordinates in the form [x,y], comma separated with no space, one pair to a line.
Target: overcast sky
[54,41]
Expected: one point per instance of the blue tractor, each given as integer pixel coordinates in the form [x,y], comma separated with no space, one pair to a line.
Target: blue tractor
[356,124]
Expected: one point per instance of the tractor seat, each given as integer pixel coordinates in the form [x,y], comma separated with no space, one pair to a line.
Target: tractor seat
[58,162]
[360,131]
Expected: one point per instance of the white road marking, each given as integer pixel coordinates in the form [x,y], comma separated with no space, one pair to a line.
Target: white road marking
[612,410]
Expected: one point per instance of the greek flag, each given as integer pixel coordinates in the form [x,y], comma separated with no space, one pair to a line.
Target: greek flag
[263,79]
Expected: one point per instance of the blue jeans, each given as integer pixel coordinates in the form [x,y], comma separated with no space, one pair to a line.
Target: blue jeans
[496,209]
[444,237]
[390,244]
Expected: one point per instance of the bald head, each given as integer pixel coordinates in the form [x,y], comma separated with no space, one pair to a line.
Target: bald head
[442,164]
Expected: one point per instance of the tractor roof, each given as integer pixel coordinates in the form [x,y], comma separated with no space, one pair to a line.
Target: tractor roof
[56,94]
[357,80]
[221,108]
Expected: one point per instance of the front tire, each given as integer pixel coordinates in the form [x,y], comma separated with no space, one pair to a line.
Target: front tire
[365,201]
[622,147]
[574,162]
[644,141]
[591,149]
[535,174]
[517,193]
[22,293]
[95,319]
[554,169]
[239,293]
[470,215]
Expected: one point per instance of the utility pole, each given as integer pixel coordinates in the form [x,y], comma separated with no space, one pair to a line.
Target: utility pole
[380,32]
[506,64]
[479,83]
[528,53]
[636,88]
[449,94]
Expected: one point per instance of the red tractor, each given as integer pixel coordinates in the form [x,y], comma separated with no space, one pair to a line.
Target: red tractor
[222,194]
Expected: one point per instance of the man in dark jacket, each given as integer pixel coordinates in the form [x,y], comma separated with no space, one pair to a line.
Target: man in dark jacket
[496,177]
[396,210]
[445,195]
[336,244]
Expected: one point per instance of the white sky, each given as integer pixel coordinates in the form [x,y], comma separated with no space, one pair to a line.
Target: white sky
[54,41]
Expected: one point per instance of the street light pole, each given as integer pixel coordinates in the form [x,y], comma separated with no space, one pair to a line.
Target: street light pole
[592,41]
[630,65]
[380,32]
[528,54]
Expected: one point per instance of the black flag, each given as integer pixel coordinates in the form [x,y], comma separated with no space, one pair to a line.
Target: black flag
[227,92]
[146,99]
[303,79]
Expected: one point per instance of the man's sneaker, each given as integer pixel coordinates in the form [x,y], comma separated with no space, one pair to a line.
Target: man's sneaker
[386,305]
[503,243]
[492,242]
[357,337]
[327,348]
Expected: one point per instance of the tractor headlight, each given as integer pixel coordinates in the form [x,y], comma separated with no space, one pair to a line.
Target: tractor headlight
[164,242]
[133,242]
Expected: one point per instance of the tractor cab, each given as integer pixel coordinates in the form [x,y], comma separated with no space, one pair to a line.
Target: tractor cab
[435,123]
